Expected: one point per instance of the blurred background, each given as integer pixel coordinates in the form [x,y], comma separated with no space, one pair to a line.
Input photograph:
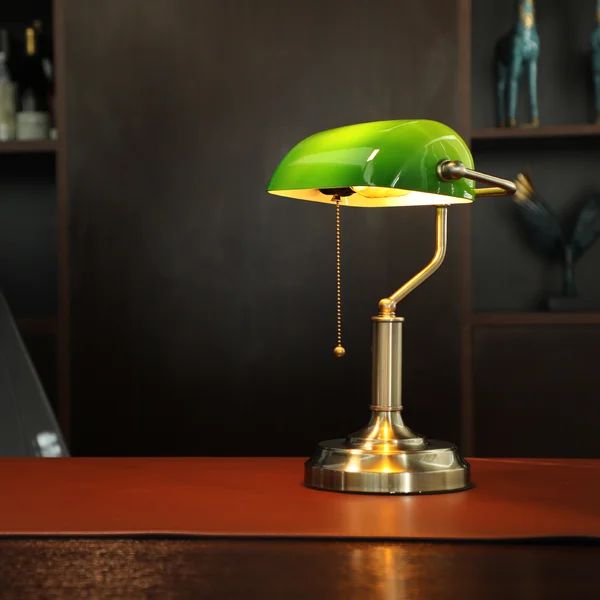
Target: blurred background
[171,307]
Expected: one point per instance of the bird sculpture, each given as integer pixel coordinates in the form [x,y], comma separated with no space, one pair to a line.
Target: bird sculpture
[546,233]
[517,50]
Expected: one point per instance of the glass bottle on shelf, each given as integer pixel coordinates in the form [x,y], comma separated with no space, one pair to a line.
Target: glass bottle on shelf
[33,120]
[45,52]
[7,93]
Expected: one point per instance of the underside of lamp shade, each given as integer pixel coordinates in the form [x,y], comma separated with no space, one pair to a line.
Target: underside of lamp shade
[383,163]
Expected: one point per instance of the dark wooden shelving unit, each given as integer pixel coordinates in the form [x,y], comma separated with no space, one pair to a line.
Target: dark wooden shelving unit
[517,358]
[34,197]
[28,147]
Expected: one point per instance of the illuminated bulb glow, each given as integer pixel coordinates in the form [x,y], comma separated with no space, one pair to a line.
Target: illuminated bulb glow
[375,197]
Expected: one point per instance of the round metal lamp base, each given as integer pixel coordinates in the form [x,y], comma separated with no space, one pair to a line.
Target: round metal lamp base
[429,467]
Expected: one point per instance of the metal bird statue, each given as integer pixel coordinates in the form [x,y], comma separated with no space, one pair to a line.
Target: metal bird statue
[547,235]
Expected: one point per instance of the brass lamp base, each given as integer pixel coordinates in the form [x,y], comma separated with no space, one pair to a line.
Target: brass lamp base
[386,456]
[431,466]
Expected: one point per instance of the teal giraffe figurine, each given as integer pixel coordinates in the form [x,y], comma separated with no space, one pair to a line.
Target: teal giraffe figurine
[596,61]
[517,50]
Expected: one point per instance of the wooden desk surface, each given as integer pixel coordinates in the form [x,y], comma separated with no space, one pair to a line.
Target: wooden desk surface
[199,496]
[284,569]
[264,497]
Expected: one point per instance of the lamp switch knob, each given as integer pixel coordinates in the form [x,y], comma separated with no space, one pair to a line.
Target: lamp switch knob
[339,351]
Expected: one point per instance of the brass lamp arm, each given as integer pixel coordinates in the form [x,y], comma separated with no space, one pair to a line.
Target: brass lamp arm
[387,305]
[449,170]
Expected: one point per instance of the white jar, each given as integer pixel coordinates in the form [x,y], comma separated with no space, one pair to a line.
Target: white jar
[33,125]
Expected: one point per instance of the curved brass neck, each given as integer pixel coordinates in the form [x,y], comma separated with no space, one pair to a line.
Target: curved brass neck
[387,306]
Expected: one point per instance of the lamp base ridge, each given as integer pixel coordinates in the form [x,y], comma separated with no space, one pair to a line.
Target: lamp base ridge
[429,467]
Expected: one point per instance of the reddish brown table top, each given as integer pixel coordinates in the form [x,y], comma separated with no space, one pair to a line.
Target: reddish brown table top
[264,497]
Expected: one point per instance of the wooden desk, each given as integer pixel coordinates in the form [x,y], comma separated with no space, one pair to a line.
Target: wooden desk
[264,497]
[248,528]
[283,569]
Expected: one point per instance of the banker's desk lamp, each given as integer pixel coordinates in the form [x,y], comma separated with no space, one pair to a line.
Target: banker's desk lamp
[385,164]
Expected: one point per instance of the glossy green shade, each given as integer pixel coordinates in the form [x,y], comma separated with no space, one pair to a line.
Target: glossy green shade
[383,163]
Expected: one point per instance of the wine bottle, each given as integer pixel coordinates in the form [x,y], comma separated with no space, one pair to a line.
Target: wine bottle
[45,52]
[7,93]
[33,120]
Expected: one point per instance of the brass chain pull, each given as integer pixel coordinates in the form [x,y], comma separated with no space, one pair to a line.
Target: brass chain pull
[339,350]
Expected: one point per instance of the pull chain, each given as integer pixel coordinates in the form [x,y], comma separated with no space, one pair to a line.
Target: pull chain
[339,350]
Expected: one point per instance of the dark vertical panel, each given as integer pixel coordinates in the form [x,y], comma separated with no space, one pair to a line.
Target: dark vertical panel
[464,26]
[527,406]
[202,309]
[63,238]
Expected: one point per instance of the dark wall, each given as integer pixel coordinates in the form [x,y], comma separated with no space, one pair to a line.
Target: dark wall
[203,309]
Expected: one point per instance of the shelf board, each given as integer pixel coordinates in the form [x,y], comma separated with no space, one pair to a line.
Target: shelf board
[535,318]
[38,325]
[528,133]
[28,147]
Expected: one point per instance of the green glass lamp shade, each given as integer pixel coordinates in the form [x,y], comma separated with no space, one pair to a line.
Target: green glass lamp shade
[383,163]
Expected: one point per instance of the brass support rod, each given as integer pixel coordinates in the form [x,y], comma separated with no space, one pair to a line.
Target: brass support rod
[387,306]
[489,192]
[451,170]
